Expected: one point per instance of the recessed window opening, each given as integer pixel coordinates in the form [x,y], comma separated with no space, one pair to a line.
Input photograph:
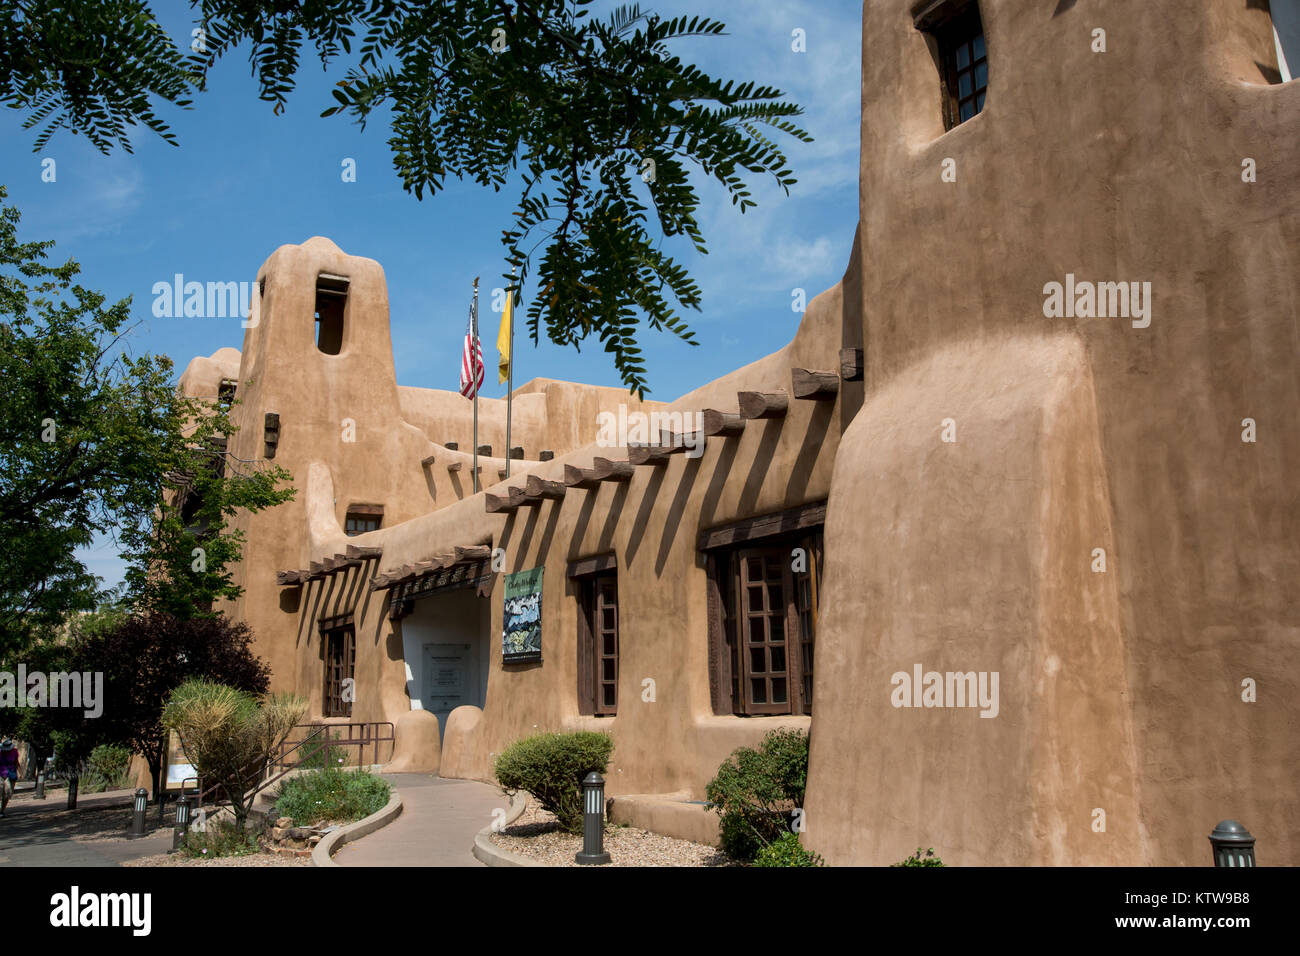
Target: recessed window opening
[226,392]
[363,518]
[331,304]
[598,643]
[958,34]
[339,652]
[763,578]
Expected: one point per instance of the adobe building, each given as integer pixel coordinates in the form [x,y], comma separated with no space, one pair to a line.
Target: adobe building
[1012,524]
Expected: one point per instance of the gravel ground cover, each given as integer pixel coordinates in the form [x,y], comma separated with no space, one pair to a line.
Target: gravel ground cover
[252,859]
[537,835]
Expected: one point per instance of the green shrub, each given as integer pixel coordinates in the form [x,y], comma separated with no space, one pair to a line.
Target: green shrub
[316,753]
[787,851]
[917,860]
[331,794]
[755,792]
[220,838]
[107,768]
[551,767]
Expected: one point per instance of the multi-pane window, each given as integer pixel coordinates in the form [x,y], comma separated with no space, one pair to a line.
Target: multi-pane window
[340,658]
[598,643]
[959,33]
[363,518]
[763,622]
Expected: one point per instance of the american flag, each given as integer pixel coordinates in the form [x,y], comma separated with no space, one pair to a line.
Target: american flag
[471,360]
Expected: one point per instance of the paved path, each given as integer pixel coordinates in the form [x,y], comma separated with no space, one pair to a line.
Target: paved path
[436,828]
[45,833]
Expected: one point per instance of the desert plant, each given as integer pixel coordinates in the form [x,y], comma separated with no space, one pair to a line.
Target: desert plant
[331,794]
[551,767]
[786,850]
[755,792]
[220,838]
[107,768]
[917,860]
[229,735]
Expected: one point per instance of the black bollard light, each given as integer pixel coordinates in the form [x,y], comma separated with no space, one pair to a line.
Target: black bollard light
[182,821]
[72,792]
[1232,844]
[40,785]
[593,821]
[137,812]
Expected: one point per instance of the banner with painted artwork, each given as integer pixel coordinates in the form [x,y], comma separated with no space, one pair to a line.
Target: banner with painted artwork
[521,630]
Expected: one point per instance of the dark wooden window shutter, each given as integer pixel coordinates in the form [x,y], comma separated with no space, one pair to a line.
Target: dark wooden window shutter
[586,652]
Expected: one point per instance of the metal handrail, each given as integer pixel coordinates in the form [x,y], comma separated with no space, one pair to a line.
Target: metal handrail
[316,731]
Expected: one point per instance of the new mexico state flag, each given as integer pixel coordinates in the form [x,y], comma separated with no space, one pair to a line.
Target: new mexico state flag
[503,341]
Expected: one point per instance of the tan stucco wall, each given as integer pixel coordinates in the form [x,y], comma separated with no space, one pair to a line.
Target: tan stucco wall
[1122,690]
[1119,691]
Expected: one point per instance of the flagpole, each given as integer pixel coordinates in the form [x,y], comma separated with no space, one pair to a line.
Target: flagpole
[474,344]
[510,376]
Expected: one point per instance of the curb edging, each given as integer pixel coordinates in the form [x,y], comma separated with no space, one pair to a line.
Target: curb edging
[488,853]
[322,853]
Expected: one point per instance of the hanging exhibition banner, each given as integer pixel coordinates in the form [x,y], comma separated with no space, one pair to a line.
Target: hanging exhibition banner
[521,628]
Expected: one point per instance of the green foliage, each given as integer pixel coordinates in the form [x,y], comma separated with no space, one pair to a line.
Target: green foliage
[595,121]
[551,767]
[917,860]
[754,791]
[786,850]
[332,794]
[96,442]
[89,66]
[107,768]
[229,735]
[316,752]
[220,838]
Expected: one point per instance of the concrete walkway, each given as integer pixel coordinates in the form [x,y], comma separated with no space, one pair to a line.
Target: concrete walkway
[439,820]
[45,833]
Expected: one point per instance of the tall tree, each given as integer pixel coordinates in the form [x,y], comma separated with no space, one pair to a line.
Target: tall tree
[149,655]
[595,120]
[94,442]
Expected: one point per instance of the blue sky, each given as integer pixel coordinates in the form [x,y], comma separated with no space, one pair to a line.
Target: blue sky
[244,181]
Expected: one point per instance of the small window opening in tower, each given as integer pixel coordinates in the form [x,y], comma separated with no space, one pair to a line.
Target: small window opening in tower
[331,305]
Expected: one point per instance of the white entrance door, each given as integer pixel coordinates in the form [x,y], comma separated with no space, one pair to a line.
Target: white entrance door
[447,683]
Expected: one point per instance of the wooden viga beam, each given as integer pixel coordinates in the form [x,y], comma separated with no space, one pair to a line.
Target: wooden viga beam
[537,489]
[286,578]
[364,553]
[852,362]
[474,552]
[607,470]
[497,504]
[814,384]
[725,424]
[763,404]
[649,454]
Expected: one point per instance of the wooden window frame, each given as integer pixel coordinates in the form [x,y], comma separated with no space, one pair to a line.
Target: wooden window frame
[597,584]
[954,25]
[730,614]
[359,512]
[337,668]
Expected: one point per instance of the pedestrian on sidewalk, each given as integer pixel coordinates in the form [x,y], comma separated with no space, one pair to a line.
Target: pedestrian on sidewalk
[8,773]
